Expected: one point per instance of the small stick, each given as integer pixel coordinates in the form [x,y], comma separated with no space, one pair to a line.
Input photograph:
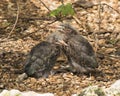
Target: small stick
[45,5]
[18,8]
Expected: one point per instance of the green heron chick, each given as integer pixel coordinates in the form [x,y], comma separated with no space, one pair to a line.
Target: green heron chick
[41,59]
[78,50]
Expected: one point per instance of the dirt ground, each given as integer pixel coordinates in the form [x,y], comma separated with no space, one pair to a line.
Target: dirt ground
[31,29]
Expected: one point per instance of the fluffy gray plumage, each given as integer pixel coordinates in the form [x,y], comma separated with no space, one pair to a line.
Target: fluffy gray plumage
[78,50]
[80,54]
[41,59]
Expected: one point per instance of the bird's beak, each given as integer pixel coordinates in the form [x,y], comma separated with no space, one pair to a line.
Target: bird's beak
[61,42]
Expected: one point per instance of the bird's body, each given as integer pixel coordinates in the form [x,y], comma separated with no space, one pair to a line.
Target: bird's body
[80,54]
[41,59]
[78,50]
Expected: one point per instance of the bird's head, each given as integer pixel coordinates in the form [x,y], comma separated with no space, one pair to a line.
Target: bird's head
[62,34]
[67,29]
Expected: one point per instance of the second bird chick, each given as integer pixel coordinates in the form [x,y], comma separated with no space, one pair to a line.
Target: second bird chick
[41,59]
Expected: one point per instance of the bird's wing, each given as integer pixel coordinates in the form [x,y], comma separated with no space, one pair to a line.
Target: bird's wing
[41,58]
[81,51]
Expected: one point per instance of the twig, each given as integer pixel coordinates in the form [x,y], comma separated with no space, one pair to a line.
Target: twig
[99,24]
[77,21]
[45,5]
[18,9]
[28,18]
[90,6]
[110,7]
[40,28]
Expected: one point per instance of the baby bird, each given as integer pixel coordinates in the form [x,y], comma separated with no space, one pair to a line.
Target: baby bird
[41,59]
[78,50]
[80,54]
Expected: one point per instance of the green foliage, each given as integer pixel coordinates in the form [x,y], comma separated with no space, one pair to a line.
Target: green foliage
[63,10]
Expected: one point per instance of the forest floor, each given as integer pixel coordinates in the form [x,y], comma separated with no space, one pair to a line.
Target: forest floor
[16,44]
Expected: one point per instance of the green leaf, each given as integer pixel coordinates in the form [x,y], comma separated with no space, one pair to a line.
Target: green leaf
[69,10]
[63,10]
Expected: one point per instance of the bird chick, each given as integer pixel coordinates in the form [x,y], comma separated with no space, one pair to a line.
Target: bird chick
[41,59]
[79,51]
[80,54]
